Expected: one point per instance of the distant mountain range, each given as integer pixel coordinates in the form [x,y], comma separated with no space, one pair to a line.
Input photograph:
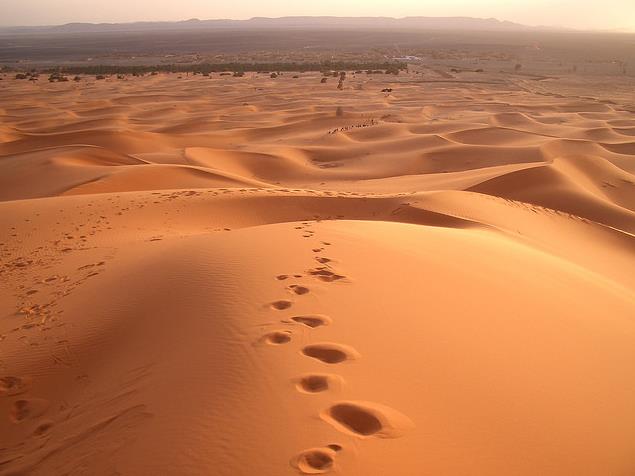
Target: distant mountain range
[297,22]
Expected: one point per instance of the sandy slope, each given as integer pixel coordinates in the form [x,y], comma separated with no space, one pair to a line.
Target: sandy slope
[253,276]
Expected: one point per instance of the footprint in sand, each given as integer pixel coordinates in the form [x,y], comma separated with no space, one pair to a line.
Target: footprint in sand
[282,277]
[31,408]
[318,383]
[325,274]
[330,353]
[281,305]
[278,337]
[43,428]
[315,460]
[297,289]
[367,419]
[11,386]
[313,320]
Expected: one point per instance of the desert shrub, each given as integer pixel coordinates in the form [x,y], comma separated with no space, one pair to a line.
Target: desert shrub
[99,77]
[323,80]
[328,68]
[273,75]
[20,76]
[238,74]
[56,77]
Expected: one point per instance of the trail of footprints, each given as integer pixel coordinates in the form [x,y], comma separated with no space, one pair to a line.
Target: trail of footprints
[355,418]
[23,407]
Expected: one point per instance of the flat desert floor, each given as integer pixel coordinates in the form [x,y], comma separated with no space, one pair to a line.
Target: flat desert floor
[256,276]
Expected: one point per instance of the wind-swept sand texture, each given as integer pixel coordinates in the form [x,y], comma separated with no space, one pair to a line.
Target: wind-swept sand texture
[249,276]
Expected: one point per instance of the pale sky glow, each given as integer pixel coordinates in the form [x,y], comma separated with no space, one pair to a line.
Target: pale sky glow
[582,14]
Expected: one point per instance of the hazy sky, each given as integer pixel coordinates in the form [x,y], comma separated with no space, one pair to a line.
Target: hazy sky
[607,14]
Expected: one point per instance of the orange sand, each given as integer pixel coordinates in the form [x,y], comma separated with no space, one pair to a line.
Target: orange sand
[233,277]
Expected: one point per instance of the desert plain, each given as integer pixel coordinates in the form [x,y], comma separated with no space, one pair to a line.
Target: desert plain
[411,275]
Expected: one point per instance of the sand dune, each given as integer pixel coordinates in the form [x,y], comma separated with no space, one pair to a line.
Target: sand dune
[239,276]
